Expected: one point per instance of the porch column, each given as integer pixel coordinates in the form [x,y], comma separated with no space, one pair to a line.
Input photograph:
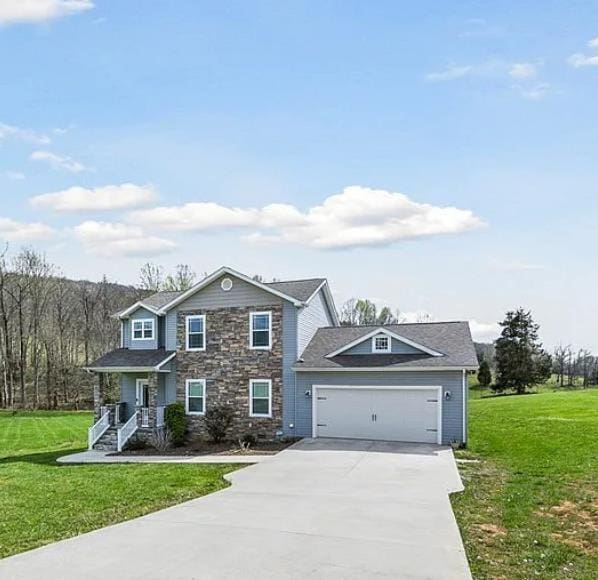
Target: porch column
[153,397]
[98,394]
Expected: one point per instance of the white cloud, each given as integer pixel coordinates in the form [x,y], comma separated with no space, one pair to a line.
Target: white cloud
[118,239]
[14,175]
[484,332]
[593,43]
[579,60]
[523,70]
[451,73]
[518,266]
[109,197]
[59,161]
[13,11]
[357,217]
[535,92]
[26,135]
[13,231]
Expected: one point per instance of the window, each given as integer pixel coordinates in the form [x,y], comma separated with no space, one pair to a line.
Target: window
[143,329]
[260,398]
[195,396]
[260,330]
[381,343]
[196,332]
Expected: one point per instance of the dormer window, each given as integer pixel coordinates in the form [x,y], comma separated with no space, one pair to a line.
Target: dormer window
[381,343]
[143,329]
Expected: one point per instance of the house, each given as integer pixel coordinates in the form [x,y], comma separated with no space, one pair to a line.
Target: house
[276,354]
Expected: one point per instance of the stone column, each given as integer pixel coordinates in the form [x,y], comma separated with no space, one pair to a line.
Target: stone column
[153,397]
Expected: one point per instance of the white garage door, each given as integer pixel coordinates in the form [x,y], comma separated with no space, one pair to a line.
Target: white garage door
[388,414]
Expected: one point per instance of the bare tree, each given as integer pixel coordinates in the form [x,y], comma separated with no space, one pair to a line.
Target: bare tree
[182,279]
[151,277]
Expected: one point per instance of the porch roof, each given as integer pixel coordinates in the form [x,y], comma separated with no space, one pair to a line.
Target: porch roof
[132,360]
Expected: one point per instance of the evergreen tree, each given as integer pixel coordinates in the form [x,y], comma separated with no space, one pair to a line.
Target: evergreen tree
[520,360]
[484,374]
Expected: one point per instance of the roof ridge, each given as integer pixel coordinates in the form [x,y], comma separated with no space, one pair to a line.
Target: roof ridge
[398,324]
[296,280]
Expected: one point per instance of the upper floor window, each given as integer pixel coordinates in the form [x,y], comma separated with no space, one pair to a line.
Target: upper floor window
[195,334]
[143,329]
[381,343]
[260,330]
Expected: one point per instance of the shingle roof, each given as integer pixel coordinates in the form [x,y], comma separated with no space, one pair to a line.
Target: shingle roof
[125,357]
[298,289]
[159,299]
[452,339]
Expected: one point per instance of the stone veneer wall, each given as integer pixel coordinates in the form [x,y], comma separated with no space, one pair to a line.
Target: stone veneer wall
[228,364]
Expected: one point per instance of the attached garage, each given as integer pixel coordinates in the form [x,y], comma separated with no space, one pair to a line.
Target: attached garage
[386,413]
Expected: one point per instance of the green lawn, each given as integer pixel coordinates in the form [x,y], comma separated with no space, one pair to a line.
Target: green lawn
[530,507]
[41,501]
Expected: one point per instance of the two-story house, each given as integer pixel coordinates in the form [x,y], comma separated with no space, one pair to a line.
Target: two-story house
[275,353]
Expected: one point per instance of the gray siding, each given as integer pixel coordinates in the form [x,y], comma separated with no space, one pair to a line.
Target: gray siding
[127,390]
[128,342]
[397,347]
[452,410]
[310,318]
[289,357]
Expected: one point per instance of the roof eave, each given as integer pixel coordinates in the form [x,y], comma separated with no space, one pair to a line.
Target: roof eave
[386,369]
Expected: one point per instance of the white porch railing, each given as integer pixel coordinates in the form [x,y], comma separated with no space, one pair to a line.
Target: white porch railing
[145,416]
[126,431]
[99,428]
[160,416]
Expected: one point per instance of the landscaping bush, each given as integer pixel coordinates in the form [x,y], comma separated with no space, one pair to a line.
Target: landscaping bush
[218,420]
[161,440]
[176,422]
[249,439]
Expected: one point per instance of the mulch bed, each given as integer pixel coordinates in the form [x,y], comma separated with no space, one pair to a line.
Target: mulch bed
[198,447]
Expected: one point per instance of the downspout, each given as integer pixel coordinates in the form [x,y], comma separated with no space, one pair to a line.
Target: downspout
[295,372]
[464,397]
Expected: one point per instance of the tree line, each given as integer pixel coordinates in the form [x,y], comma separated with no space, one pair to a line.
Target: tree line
[516,360]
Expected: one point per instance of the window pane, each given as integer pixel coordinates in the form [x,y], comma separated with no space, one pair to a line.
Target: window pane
[260,406]
[260,390]
[196,341]
[261,322]
[196,325]
[196,404]
[382,343]
[196,389]
[261,338]
[148,325]
[137,334]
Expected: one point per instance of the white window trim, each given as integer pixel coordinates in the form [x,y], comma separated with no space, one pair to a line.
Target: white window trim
[388,340]
[205,332]
[251,315]
[143,321]
[251,383]
[205,396]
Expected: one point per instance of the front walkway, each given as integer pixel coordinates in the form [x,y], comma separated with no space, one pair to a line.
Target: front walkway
[93,456]
[322,509]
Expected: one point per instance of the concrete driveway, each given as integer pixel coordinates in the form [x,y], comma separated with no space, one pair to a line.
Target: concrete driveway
[326,509]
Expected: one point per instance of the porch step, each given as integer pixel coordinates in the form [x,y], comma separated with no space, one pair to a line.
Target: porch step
[108,441]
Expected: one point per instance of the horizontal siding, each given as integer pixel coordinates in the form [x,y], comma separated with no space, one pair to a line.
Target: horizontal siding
[310,318]
[397,347]
[452,410]
[289,357]
[128,342]
[127,390]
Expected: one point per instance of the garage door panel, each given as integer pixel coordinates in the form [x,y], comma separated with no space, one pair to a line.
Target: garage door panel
[400,414]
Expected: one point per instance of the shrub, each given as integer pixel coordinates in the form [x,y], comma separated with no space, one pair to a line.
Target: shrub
[249,439]
[176,422]
[161,440]
[218,420]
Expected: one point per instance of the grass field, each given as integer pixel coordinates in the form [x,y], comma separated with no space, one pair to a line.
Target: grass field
[530,508]
[41,501]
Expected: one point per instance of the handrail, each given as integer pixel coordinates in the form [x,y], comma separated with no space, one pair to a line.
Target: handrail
[98,429]
[126,431]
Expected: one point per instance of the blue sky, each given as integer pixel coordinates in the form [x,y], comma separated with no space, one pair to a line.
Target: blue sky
[313,138]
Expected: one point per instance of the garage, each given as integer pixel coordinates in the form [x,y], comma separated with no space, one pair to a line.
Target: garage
[389,413]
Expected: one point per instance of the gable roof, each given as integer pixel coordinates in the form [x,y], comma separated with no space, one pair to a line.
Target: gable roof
[376,332]
[132,359]
[451,339]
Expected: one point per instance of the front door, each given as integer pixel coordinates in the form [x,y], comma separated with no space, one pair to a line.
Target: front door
[142,400]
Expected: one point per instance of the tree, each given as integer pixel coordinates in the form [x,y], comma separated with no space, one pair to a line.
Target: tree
[182,279]
[484,374]
[520,360]
[151,277]
[361,311]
